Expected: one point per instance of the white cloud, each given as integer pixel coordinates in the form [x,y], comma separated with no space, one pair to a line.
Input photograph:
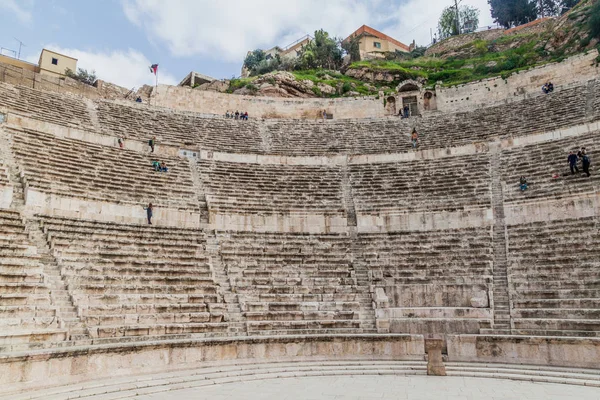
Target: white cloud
[21,11]
[412,21]
[227,30]
[124,68]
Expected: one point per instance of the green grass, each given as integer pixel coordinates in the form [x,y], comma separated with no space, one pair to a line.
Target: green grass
[486,64]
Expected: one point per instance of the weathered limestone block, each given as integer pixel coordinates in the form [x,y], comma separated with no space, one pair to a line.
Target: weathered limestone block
[435,363]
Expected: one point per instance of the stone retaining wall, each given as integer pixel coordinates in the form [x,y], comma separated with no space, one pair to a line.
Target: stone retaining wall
[554,351]
[187,99]
[491,91]
[39,369]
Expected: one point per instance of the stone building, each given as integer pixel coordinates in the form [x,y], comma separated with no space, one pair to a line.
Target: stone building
[374,44]
[50,63]
[55,64]
[292,50]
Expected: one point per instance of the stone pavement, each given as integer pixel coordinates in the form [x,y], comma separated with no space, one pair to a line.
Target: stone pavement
[383,387]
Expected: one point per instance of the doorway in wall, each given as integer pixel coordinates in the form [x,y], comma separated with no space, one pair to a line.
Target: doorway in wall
[411,102]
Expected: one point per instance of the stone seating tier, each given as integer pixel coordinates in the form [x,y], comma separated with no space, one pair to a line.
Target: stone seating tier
[539,162]
[95,172]
[444,184]
[293,282]
[130,280]
[61,109]
[553,277]
[567,107]
[277,188]
[26,306]
[448,257]
[142,123]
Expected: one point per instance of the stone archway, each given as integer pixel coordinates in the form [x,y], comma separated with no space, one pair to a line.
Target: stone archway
[409,85]
[390,105]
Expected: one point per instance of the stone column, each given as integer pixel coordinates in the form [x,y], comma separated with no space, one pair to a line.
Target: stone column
[435,364]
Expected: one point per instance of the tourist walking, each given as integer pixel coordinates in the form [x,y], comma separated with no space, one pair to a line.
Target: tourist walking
[151,143]
[406,111]
[573,162]
[585,163]
[121,142]
[149,213]
[414,138]
[324,114]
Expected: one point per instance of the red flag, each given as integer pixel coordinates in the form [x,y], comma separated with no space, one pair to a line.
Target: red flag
[154,68]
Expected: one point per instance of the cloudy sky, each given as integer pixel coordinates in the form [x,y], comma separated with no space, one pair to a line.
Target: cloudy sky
[119,39]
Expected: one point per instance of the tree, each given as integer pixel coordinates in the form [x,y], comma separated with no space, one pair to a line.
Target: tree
[447,25]
[352,48]
[254,58]
[82,75]
[509,13]
[548,8]
[594,21]
[322,52]
[566,5]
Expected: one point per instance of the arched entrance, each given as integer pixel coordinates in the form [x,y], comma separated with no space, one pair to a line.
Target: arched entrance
[427,100]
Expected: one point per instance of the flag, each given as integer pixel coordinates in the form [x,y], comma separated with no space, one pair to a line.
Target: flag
[154,68]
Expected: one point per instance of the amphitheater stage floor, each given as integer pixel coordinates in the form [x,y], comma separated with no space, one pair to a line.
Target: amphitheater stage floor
[382,387]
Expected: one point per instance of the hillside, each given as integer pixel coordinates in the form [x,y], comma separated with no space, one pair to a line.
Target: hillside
[456,60]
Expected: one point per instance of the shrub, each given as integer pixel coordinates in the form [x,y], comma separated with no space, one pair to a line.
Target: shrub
[346,87]
[480,46]
[82,75]
[317,91]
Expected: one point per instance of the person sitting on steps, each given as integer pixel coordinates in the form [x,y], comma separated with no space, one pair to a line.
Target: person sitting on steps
[523,183]
[156,165]
[163,167]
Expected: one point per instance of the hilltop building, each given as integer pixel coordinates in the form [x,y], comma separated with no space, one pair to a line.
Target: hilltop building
[50,63]
[292,50]
[374,44]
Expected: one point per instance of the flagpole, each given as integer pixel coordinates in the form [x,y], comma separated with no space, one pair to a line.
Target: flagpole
[156,86]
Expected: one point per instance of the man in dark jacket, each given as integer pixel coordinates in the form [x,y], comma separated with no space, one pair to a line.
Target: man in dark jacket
[585,162]
[573,162]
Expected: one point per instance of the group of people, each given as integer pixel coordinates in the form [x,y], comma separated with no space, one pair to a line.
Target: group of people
[548,87]
[572,159]
[237,115]
[582,156]
[160,166]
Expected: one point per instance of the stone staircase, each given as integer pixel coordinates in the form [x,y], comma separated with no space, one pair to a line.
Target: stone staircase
[364,286]
[347,196]
[237,325]
[501,304]
[66,312]
[200,192]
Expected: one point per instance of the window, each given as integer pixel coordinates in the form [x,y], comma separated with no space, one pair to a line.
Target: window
[377,44]
[54,61]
